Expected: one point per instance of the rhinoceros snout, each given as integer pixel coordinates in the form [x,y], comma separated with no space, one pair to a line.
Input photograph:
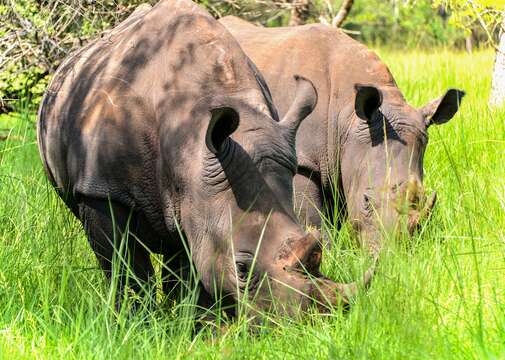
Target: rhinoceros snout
[321,291]
[416,204]
[422,212]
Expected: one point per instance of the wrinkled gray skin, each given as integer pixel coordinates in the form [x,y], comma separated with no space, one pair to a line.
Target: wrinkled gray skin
[165,122]
[362,135]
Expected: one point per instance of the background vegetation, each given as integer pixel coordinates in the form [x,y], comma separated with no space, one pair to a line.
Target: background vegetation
[439,295]
[36,35]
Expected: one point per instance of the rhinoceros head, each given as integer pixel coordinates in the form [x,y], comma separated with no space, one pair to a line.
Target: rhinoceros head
[237,209]
[382,159]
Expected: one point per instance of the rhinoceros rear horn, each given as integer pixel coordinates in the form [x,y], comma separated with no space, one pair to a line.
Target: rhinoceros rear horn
[224,121]
[304,103]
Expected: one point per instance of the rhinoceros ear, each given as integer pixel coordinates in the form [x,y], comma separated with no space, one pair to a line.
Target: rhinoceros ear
[304,103]
[368,101]
[224,121]
[441,110]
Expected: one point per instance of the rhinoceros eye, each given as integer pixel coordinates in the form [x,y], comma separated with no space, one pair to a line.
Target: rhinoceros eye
[246,275]
[242,271]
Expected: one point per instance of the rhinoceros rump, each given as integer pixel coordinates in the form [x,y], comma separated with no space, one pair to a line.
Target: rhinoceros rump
[362,136]
[164,124]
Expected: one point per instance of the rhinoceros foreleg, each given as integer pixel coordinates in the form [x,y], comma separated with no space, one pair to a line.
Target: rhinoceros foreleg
[175,274]
[114,234]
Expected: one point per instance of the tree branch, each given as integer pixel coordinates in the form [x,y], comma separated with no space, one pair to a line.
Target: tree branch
[345,8]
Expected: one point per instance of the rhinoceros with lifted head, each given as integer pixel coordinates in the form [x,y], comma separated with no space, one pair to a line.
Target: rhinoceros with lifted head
[165,124]
[362,141]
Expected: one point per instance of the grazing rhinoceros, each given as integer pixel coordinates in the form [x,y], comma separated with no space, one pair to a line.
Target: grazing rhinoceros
[165,124]
[362,135]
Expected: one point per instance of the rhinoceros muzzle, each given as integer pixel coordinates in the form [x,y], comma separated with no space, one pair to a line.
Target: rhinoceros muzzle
[417,206]
[315,287]
[401,208]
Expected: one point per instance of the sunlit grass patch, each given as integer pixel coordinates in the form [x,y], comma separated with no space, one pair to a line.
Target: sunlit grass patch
[438,295]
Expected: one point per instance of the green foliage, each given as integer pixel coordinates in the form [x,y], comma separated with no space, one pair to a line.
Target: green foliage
[439,295]
[26,84]
[487,15]
[403,24]
[36,35]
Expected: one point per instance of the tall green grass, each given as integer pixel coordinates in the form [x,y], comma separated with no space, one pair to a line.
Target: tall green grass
[439,295]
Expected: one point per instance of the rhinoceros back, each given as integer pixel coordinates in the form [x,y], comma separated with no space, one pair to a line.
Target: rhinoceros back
[99,122]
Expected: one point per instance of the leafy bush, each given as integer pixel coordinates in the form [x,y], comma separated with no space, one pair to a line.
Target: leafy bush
[403,24]
[35,35]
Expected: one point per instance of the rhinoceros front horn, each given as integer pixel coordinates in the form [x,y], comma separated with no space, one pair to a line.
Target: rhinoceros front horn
[304,103]
[327,293]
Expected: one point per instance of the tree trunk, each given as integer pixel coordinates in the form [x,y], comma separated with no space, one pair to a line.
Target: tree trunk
[346,6]
[469,43]
[300,12]
[497,97]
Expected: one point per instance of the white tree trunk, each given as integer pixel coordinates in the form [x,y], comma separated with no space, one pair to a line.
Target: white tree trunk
[497,97]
